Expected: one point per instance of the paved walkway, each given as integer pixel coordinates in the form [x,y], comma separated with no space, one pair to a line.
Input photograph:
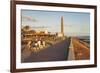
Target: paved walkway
[57,52]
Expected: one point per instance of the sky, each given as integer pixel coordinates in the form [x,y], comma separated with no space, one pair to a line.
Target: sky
[75,23]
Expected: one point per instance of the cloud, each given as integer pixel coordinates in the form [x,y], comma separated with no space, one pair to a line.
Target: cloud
[28,18]
[40,27]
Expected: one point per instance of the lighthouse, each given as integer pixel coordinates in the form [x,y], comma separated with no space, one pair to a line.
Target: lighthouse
[61,34]
[62,26]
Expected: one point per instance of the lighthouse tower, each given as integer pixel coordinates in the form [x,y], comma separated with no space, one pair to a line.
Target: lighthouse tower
[61,34]
[62,26]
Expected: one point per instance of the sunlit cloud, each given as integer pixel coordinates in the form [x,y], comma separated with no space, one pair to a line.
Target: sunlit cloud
[28,18]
